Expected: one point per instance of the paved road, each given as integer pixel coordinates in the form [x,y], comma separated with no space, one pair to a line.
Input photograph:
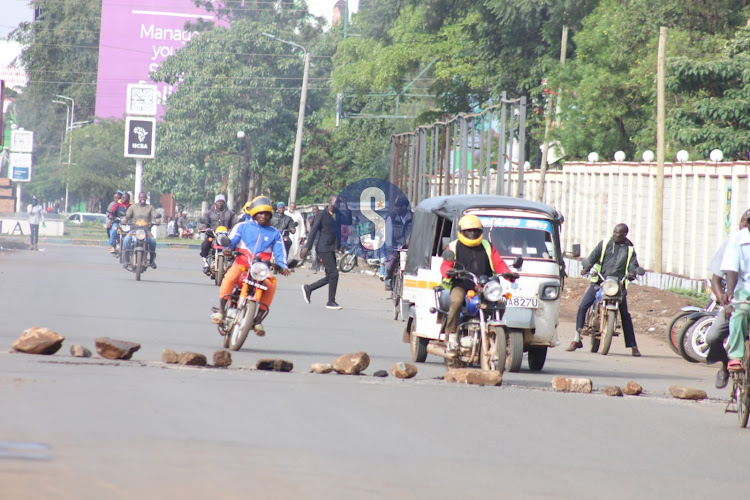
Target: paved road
[142,429]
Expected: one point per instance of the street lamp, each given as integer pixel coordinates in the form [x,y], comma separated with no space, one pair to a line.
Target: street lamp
[240,138]
[69,126]
[300,118]
[67,121]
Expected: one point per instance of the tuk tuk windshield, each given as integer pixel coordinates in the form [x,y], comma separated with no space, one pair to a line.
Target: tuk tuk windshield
[513,237]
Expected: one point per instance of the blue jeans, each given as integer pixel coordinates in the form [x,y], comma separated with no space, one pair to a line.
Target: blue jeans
[129,241]
[113,233]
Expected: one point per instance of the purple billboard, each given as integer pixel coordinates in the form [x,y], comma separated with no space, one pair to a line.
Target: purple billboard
[136,36]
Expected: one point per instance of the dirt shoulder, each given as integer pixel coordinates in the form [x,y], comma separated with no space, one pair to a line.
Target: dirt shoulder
[650,308]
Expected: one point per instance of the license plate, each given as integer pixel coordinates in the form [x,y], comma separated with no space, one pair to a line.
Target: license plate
[531,302]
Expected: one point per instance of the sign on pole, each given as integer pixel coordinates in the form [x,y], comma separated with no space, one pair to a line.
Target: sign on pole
[19,169]
[140,137]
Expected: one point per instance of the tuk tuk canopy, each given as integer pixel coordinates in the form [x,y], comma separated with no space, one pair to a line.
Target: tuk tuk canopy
[435,221]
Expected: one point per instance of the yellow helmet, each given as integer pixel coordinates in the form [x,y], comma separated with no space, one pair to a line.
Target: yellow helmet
[257,205]
[469,222]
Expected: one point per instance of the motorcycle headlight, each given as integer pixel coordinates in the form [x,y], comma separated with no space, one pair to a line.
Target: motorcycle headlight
[125,227]
[140,234]
[259,271]
[610,287]
[492,291]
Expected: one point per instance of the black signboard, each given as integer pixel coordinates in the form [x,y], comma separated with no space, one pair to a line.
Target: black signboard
[140,137]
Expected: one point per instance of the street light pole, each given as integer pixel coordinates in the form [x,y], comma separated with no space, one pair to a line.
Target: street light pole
[300,119]
[67,120]
[69,127]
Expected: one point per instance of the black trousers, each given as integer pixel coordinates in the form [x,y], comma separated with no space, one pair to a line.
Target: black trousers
[627,323]
[332,275]
[205,247]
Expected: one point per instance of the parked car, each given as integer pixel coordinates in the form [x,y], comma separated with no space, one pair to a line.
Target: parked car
[81,217]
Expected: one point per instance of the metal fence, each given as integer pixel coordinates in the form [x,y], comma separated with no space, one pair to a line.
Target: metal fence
[703,201]
[466,154]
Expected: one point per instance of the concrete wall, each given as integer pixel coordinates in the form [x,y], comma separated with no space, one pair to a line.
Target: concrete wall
[9,221]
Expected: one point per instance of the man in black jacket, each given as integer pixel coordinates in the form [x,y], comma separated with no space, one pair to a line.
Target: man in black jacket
[218,215]
[616,258]
[328,224]
[285,224]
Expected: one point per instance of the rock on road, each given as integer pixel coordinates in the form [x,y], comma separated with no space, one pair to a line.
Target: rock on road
[95,428]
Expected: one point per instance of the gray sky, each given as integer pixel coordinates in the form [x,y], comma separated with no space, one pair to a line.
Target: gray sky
[14,12]
[17,11]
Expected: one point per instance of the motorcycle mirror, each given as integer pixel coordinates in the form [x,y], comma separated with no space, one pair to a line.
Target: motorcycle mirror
[449,256]
[225,241]
[292,263]
[517,262]
[483,280]
[640,271]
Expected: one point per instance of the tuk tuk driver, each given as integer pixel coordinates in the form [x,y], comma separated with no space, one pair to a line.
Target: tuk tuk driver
[474,254]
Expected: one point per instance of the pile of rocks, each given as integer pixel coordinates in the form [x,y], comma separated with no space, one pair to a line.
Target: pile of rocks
[356,362]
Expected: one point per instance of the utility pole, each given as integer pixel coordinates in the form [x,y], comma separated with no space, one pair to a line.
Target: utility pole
[660,119]
[548,119]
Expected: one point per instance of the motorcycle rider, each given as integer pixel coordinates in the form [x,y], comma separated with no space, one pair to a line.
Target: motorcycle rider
[117,211]
[141,212]
[719,330]
[115,200]
[397,229]
[617,258]
[256,237]
[284,224]
[218,215]
[474,254]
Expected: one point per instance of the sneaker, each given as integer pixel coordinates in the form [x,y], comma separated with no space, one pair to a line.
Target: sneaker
[153,265]
[111,249]
[333,305]
[259,330]
[306,293]
[217,318]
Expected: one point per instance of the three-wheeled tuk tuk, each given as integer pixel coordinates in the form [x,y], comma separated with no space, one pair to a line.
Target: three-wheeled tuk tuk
[516,228]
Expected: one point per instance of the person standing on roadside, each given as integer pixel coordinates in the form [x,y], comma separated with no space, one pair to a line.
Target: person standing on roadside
[328,224]
[36,213]
[301,231]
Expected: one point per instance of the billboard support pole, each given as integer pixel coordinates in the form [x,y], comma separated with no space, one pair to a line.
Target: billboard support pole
[138,177]
[19,195]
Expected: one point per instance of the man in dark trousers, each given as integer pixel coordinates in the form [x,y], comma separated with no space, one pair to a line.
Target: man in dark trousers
[615,257]
[328,224]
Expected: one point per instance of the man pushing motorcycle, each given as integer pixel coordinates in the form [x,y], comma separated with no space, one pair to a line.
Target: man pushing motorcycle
[474,254]
[253,238]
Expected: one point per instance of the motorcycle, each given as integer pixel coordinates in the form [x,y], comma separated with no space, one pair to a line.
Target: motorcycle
[242,311]
[482,334]
[218,263]
[122,231]
[139,260]
[601,318]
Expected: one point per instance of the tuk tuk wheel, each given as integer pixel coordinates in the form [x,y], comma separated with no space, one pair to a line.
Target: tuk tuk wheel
[418,344]
[537,357]
[515,351]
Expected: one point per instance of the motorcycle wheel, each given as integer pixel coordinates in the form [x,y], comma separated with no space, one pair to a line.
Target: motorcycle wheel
[609,332]
[674,327]
[515,351]
[497,344]
[537,357]
[347,263]
[397,289]
[592,324]
[683,339]
[417,344]
[239,331]
[696,346]
[220,262]
[138,264]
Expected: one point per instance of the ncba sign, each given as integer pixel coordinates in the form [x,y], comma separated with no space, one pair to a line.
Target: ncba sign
[140,137]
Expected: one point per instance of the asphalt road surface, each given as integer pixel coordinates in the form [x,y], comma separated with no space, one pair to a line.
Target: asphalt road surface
[93,428]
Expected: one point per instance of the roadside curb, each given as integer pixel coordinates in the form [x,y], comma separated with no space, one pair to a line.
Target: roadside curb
[104,243]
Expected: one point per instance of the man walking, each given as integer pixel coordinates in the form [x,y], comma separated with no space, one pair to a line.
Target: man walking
[328,225]
[36,213]
[615,258]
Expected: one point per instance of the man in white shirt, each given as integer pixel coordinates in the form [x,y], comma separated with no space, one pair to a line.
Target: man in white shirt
[36,213]
[300,233]
[736,265]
